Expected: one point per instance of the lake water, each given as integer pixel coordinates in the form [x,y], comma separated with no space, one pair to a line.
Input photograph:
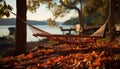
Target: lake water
[54,30]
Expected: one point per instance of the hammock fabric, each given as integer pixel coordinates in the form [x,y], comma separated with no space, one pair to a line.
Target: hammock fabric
[70,39]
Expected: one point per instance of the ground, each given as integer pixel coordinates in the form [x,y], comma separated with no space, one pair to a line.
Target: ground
[101,54]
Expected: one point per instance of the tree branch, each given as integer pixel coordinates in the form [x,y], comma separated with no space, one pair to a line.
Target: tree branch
[68,6]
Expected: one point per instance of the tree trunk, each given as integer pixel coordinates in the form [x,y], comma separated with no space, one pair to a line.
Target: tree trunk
[20,44]
[80,21]
[80,18]
[112,19]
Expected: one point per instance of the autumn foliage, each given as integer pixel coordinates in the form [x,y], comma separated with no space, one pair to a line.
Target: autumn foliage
[100,54]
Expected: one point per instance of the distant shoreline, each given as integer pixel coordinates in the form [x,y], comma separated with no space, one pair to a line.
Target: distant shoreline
[12,21]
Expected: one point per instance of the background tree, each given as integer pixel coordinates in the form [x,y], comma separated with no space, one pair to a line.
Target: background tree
[93,6]
[109,9]
[73,4]
[53,5]
[98,9]
[58,7]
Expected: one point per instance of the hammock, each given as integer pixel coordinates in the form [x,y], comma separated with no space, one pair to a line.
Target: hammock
[71,39]
[76,39]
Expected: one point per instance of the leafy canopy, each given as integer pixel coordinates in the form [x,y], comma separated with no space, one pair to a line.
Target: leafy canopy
[60,8]
[4,9]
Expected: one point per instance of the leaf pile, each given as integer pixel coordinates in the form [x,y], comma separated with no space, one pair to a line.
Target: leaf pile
[97,55]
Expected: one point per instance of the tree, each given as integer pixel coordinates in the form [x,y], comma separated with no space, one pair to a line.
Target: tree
[112,18]
[59,8]
[53,5]
[108,8]
[20,44]
[72,4]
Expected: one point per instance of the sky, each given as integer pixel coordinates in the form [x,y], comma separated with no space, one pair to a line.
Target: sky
[41,14]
